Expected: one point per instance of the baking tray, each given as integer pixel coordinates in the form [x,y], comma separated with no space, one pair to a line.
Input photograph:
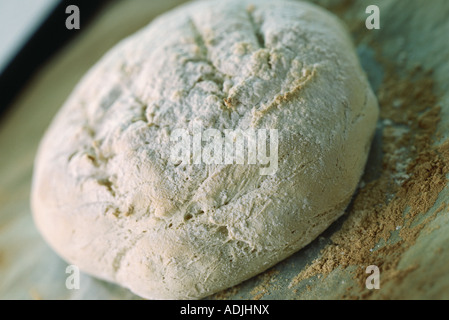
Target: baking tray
[397,221]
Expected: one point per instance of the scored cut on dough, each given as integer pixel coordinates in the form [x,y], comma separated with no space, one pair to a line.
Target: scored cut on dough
[108,199]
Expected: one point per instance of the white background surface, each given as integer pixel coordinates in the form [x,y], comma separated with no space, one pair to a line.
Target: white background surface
[18,20]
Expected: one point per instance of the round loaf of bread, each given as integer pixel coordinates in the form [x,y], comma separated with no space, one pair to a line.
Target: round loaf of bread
[108,197]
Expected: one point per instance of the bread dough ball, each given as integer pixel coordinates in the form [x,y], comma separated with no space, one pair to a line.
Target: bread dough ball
[107,197]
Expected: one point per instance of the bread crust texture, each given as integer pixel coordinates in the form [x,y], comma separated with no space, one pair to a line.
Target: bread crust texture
[107,197]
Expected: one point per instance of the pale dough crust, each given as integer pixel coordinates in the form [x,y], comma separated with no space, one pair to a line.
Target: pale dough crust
[106,196]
